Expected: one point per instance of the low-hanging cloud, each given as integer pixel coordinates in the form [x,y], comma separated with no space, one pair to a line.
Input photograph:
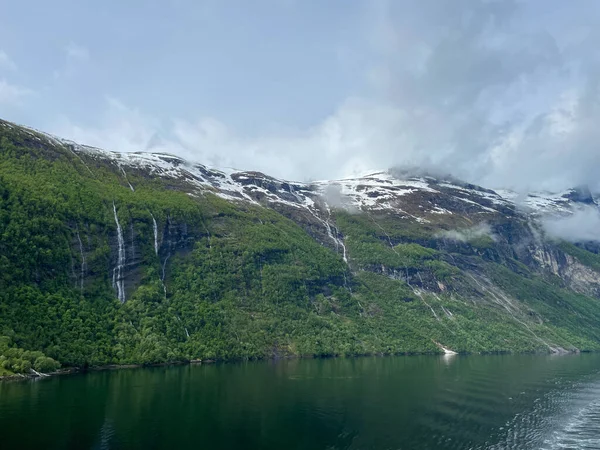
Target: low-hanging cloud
[583,225]
[468,234]
[335,198]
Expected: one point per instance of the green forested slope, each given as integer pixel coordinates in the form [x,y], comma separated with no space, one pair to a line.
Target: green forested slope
[234,280]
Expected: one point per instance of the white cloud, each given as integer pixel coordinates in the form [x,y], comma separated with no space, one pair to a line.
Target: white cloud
[583,225]
[11,94]
[476,88]
[123,129]
[469,234]
[6,62]
[483,90]
[77,52]
[341,145]
[75,56]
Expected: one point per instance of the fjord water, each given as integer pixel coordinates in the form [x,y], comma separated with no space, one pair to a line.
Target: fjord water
[424,402]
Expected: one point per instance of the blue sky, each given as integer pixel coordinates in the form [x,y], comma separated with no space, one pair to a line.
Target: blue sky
[498,92]
[246,62]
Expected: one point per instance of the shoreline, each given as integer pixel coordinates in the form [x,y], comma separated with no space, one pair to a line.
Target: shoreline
[75,370]
[107,367]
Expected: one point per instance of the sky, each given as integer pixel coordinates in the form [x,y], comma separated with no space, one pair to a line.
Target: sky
[499,93]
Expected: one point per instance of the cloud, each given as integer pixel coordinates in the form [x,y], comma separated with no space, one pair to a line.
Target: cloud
[583,225]
[11,94]
[479,88]
[335,198]
[75,56]
[122,129]
[468,234]
[76,52]
[339,145]
[6,62]
[466,77]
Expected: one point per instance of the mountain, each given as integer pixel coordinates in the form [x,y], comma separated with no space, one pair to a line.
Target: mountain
[110,257]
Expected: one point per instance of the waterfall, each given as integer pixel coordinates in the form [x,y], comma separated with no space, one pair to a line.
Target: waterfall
[336,239]
[187,333]
[70,147]
[125,175]
[164,266]
[118,276]
[155,234]
[161,277]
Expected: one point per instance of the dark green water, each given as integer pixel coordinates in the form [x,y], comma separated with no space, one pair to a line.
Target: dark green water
[475,402]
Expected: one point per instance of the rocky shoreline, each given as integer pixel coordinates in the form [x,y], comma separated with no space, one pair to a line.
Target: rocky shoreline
[33,375]
[72,370]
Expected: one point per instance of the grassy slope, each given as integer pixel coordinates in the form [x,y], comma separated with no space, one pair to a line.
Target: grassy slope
[251,283]
[541,314]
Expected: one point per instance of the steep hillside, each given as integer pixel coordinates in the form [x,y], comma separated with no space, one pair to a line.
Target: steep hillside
[143,258]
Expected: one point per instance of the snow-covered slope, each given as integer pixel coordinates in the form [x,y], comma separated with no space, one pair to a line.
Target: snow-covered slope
[420,198]
[551,203]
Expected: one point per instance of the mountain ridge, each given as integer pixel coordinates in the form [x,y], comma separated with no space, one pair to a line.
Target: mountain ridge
[549,199]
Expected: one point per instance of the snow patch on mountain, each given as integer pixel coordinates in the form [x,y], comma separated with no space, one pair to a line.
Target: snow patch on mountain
[418,197]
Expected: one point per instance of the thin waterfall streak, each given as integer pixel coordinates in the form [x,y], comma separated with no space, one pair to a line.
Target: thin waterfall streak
[164,267]
[81,160]
[420,295]
[126,179]
[155,226]
[184,328]
[336,240]
[118,276]
[502,300]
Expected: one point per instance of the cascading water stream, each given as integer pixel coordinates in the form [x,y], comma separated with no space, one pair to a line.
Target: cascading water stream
[335,238]
[155,225]
[118,277]
[126,179]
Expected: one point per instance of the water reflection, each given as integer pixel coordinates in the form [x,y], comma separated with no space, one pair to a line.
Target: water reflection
[449,357]
[449,401]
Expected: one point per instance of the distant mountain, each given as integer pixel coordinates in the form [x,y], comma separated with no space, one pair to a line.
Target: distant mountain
[110,257]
